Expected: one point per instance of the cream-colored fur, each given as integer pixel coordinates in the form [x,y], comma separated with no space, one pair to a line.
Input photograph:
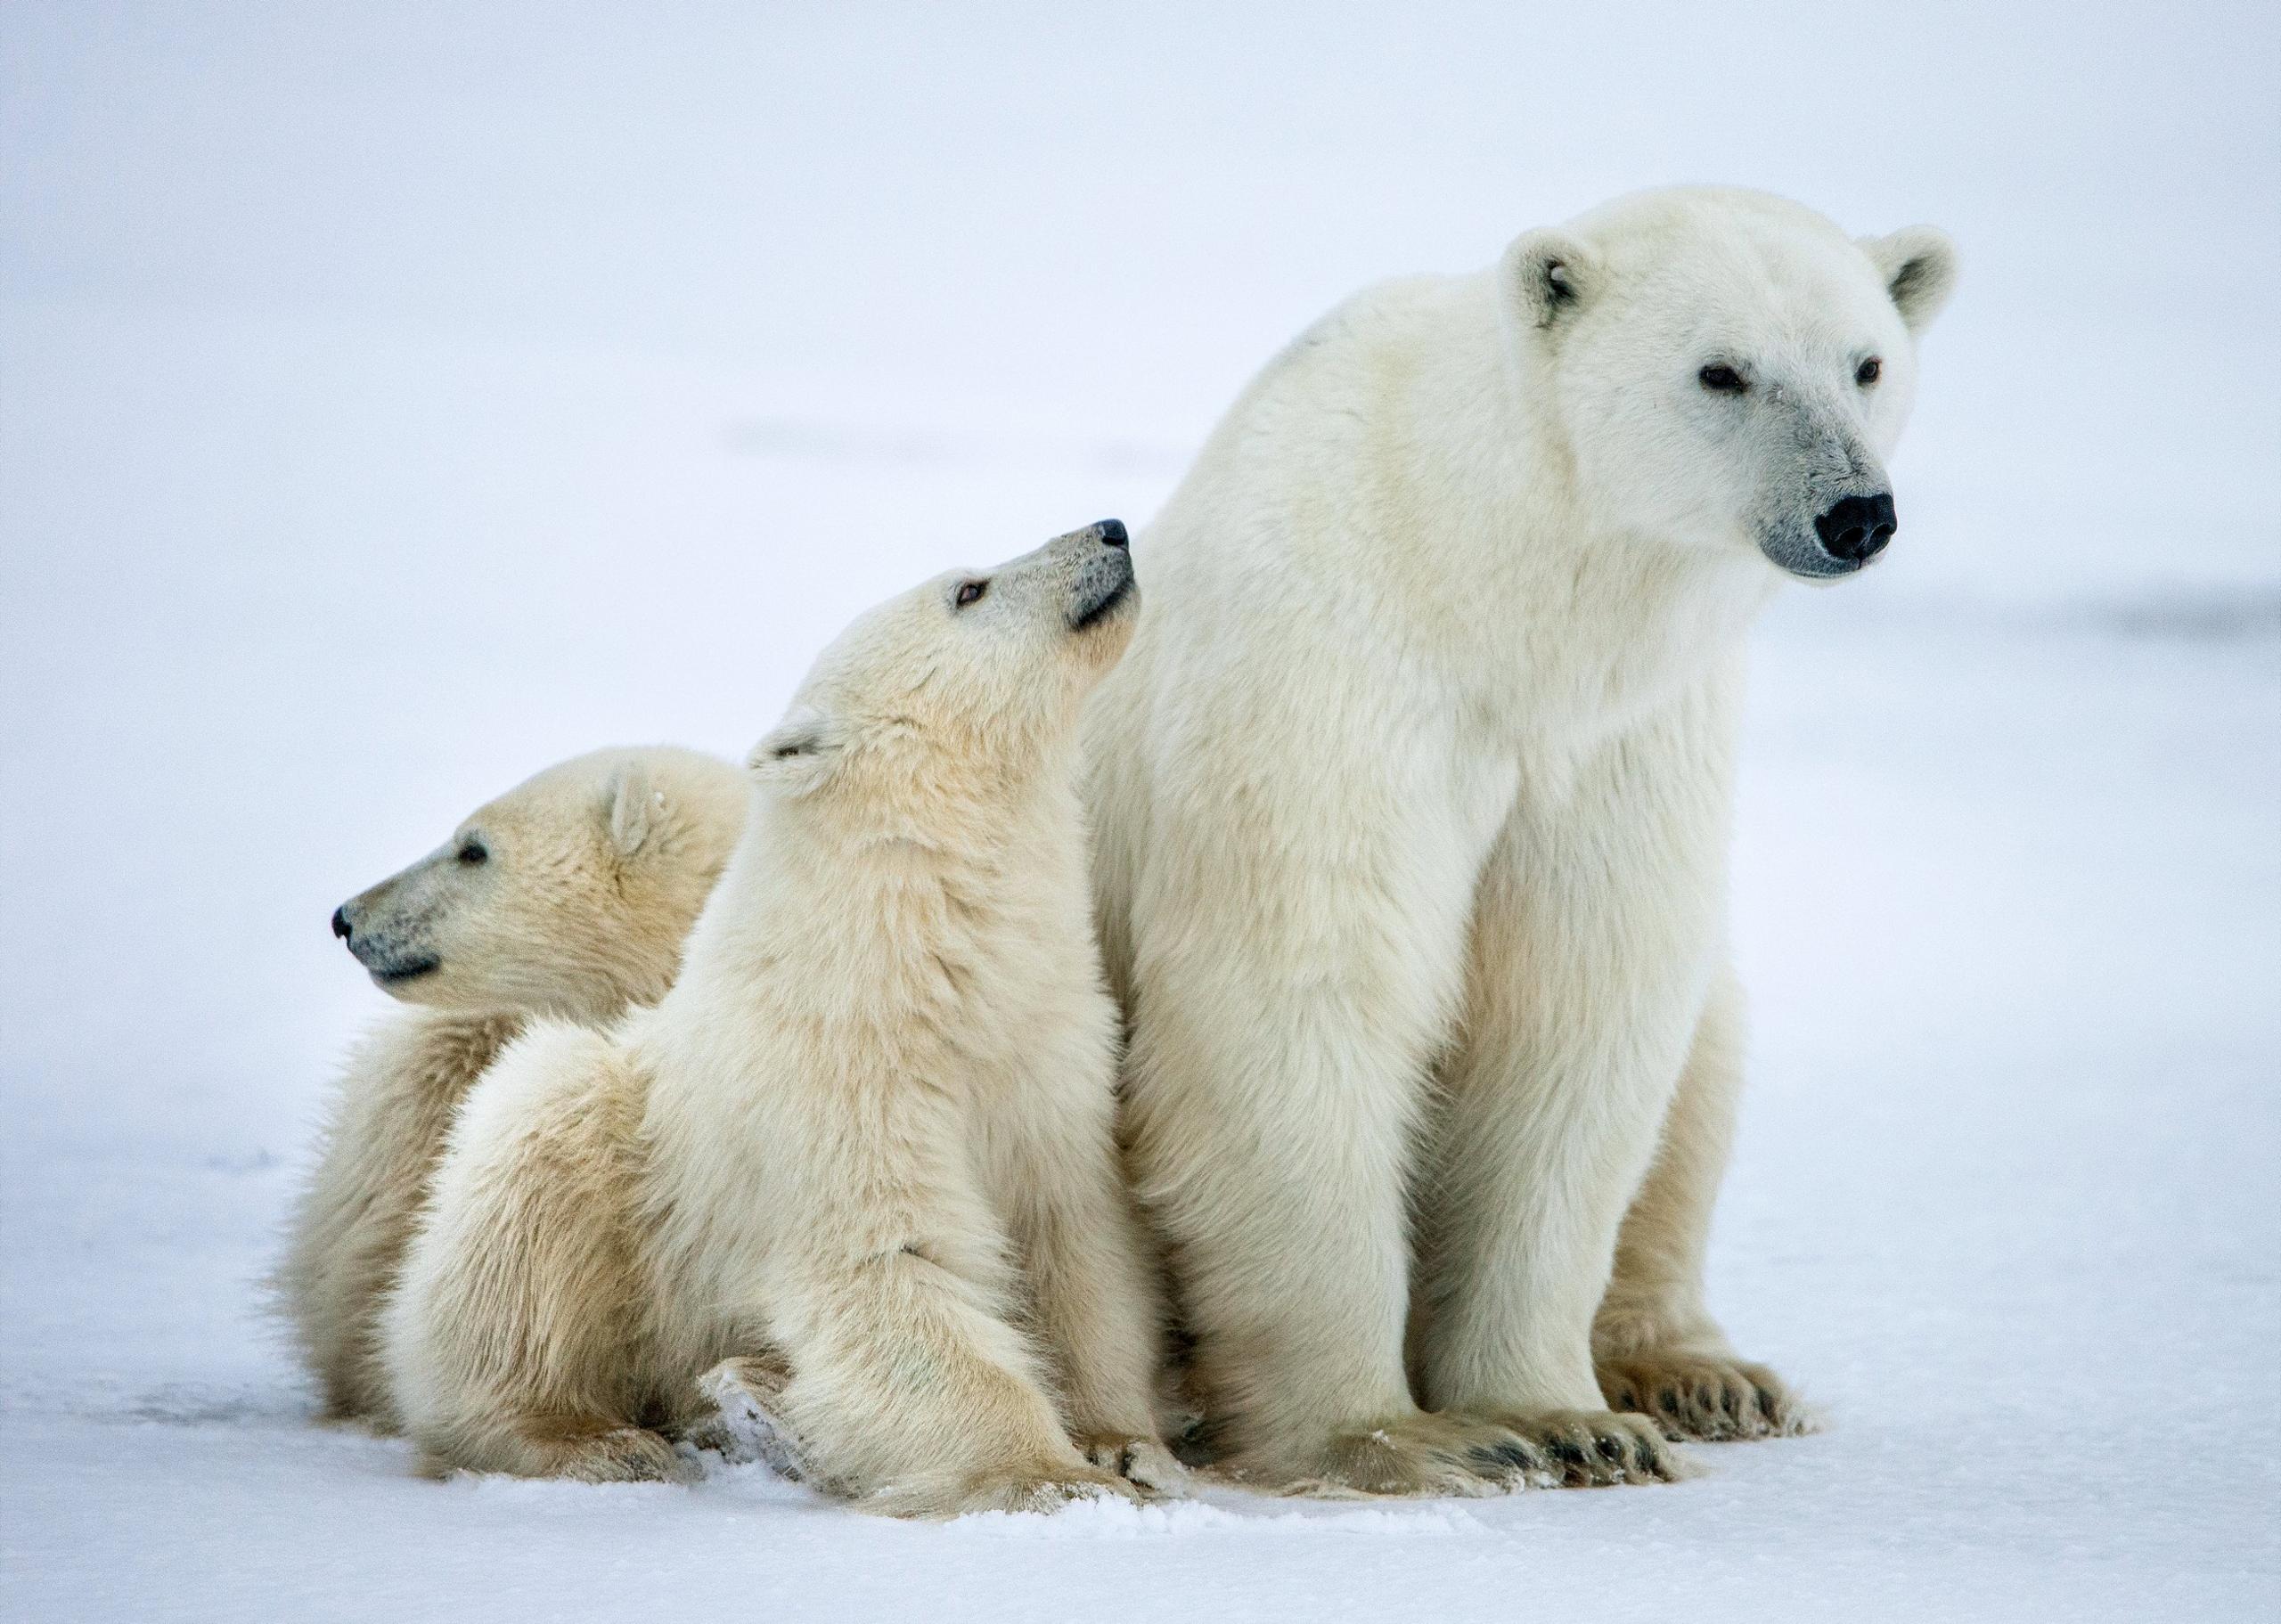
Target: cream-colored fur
[589,878]
[869,1134]
[1412,803]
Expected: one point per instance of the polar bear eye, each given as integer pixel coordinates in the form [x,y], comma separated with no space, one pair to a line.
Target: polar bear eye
[473,851]
[1721,380]
[972,592]
[1868,372]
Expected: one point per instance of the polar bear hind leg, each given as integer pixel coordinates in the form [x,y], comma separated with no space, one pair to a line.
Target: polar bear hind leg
[518,1342]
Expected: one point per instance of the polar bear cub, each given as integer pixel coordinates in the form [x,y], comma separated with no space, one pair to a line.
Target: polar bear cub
[869,1130]
[569,895]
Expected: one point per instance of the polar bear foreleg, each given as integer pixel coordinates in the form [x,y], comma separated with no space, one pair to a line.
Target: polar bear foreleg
[1583,1000]
[1657,1349]
[1272,1143]
[912,1390]
[347,1236]
[1093,1302]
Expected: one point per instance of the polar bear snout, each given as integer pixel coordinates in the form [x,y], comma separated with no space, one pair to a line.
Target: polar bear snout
[1103,581]
[1840,541]
[1855,529]
[388,963]
[1098,562]
[377,936]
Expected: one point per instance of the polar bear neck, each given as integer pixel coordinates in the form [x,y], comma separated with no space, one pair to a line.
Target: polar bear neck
[1596,625]
[877,938]
[1407,426]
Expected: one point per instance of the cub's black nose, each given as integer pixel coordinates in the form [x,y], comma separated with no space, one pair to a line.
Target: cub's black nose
[1112,531]
[1857,529]
[340,924]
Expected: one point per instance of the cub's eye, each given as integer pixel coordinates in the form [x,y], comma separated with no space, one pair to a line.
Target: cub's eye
[972,592]
[1868,372]
[1721,380]
[472,852]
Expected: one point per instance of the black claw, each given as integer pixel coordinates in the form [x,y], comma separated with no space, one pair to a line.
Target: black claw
[1504,1457]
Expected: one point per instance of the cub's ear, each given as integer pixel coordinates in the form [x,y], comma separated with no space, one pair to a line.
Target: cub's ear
[1549,276]
[795,753]
[634,807]
[1919,266]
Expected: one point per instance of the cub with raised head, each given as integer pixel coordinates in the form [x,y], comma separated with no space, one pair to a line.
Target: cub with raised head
[869,1130]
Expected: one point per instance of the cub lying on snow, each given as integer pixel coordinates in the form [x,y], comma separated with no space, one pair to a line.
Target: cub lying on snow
[568,896]
[870,1128]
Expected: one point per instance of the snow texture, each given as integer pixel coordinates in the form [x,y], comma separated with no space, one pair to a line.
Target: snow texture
[395,400]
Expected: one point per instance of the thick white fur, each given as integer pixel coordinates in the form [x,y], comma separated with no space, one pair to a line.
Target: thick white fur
[868,1136]
[592,873]
[1412,803]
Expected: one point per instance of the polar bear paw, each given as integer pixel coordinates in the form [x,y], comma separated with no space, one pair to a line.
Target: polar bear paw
[1043,1487]
[1709,1398]
[1587,1449]
[1421,1454]
[744,1424]
[599,1452]
[1143,1462]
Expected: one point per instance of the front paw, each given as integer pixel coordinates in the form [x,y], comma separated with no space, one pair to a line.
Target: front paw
[1580,1448]
[1710,1398]
[743,1422]
[1142,1462]
[1042,1488]
[1410,1455]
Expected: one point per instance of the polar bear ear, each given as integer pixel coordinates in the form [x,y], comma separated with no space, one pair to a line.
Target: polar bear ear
[634,806]
[1919,266]
[794,752]
[1549,275]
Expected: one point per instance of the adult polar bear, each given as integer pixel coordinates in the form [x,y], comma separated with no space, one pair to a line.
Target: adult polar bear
[1412,801]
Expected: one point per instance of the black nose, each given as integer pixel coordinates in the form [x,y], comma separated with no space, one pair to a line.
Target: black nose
[1111,531]
[1857,528]
[340,923]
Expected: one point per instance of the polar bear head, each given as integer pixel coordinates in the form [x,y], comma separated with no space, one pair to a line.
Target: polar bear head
[965,689]
[1729,369]
[570,894]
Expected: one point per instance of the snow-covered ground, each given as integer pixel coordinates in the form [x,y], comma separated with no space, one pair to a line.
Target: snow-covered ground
[392,403]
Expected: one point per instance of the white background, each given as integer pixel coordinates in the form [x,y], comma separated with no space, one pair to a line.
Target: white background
[394,399]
